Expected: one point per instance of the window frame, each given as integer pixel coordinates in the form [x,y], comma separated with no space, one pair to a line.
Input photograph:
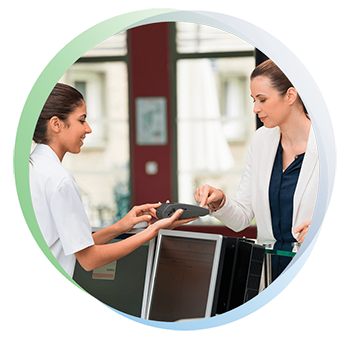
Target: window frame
[175,56]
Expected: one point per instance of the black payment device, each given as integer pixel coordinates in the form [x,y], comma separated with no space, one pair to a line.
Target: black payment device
[189,211]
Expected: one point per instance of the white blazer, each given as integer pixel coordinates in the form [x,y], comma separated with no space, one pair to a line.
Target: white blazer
[252,196]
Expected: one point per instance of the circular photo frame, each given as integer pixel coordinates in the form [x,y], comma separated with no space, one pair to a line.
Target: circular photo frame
[263,41]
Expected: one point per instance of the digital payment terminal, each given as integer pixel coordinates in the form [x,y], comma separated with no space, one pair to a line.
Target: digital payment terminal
[189,211]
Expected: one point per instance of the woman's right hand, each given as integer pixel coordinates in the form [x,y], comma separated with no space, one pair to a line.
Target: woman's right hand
[206,194]
[139,213]
[171,222]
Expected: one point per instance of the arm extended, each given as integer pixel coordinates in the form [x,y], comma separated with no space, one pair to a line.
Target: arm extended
[99,255]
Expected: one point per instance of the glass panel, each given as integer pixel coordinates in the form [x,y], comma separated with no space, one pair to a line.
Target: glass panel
[215,124]
[192,38]
[81,87]
[102,167]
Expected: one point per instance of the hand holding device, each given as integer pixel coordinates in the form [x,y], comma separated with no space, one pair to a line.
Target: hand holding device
[138,214]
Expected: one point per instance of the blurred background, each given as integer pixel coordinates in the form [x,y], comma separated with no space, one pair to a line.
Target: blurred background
[170,109]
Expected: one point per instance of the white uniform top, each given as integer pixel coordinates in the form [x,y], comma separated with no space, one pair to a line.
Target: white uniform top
[58,207]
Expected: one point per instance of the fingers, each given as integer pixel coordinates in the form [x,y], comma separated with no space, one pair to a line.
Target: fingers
[175,215]
[201,195]
[146,218]
[302,230]
[146,209]
[165,223]
[184,221]
[177,222]
[302,235]
[302,226]
[299,228]
[205,195]
[187,220]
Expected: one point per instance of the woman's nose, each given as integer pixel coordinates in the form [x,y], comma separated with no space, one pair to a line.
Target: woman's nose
[256,108]
[88,128]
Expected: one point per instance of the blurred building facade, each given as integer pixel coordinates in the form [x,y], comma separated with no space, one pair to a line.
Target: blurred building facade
[213,121]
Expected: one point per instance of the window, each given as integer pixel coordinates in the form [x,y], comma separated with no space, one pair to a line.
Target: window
[91,83]
[102,168]
[195,38]
[234,96]
[215,120]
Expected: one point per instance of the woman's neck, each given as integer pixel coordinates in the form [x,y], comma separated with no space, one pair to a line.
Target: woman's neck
[57,150]
[295,132]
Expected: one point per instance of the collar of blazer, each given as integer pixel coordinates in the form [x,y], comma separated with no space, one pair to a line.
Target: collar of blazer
[268,154]
[308,168]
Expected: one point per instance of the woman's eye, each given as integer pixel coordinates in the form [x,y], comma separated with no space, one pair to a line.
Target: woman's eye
[259,100]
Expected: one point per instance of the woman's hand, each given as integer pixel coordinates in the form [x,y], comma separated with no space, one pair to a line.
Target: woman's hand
[205,195]
[96,256]
[302,230]
[171,222]
[138,214]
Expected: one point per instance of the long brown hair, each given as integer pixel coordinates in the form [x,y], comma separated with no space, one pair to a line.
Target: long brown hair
[62,101]
[277,78]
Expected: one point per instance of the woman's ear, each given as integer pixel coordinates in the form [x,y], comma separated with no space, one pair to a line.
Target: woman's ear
[55,124]
[291,95]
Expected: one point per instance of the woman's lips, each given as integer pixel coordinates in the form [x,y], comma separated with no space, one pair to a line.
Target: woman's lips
[262,118]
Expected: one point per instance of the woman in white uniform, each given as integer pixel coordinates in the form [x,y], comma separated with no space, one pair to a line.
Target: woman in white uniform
[280,182]
[62,128]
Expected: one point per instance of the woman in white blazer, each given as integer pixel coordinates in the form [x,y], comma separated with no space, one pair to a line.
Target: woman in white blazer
[280,182]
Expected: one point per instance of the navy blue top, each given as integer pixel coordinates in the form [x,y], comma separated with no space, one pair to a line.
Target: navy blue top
[281,194]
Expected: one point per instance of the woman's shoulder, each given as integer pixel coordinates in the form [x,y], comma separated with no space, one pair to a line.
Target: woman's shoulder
[45,165]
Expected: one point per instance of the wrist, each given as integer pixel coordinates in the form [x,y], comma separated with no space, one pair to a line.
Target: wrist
[151,231]
[119,226]
[214,206]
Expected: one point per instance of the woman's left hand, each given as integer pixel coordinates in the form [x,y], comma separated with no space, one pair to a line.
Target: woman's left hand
[302,230]
[138,214]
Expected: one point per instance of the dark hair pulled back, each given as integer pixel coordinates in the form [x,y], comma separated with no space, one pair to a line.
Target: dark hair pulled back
[277,78]
[62,101]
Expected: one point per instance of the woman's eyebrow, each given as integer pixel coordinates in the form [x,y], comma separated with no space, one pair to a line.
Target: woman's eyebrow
[258,95]
[83,116]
